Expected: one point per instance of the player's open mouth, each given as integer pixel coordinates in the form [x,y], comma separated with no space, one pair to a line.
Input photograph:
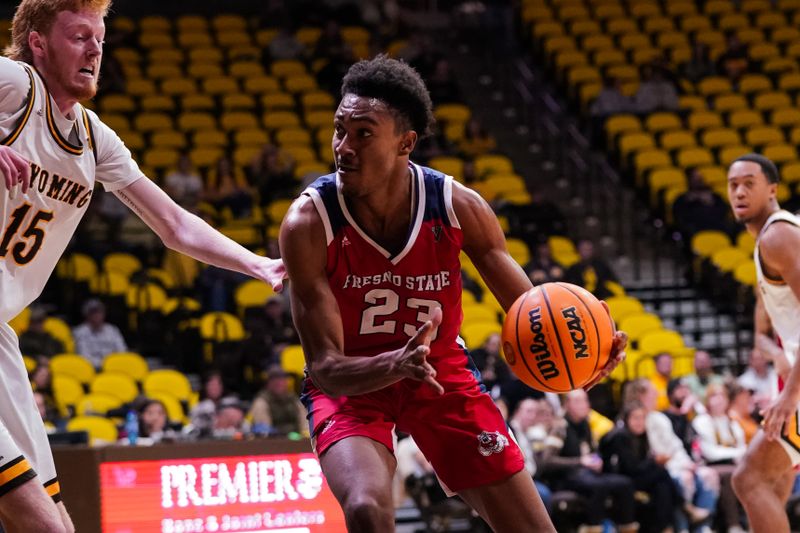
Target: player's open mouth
[346,168]
[87,71]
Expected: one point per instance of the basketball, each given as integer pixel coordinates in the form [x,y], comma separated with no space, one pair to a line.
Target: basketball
[557,336]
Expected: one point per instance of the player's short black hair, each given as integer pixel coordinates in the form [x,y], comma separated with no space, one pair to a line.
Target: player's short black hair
[398,85]
[767,167]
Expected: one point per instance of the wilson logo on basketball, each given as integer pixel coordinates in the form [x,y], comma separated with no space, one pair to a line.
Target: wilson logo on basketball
[576,332]
[539,348]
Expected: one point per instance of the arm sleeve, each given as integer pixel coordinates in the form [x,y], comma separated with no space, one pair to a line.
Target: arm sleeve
[14,86]
[116,168]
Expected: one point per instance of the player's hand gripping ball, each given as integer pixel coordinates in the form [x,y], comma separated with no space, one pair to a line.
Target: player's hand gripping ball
[557,337]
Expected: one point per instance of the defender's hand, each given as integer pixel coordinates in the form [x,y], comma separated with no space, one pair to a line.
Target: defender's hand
[15,169]
[617,354]
[271,271]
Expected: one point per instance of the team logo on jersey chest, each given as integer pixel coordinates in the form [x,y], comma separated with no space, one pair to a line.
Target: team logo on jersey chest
[490,442]
[437,233]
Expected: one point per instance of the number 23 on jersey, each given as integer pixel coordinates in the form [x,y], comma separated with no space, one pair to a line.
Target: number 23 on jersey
[385,302]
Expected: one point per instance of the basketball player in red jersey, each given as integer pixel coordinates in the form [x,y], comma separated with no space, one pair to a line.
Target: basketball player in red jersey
[763,479]
[372,252]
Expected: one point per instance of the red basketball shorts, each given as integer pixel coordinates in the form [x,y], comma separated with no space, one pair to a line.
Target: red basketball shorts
[462,433]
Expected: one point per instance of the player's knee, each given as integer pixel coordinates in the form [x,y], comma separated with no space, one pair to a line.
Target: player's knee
[743,479]
[365,513]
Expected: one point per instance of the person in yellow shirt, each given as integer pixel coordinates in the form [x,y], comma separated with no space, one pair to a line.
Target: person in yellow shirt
[660,379]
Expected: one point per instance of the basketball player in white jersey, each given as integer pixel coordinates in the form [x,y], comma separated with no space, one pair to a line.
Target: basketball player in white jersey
[52,154]
[763,479]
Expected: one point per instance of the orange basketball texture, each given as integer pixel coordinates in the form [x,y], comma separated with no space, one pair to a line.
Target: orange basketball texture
[557,336]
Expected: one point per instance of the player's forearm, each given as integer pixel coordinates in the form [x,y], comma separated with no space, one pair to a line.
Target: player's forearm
[195,238]
[338,375]
[792,385]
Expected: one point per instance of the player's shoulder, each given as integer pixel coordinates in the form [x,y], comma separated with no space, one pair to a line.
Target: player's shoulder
[778,234]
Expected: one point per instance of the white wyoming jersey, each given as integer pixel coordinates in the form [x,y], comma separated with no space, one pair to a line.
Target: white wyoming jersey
[780,302]
[36,227]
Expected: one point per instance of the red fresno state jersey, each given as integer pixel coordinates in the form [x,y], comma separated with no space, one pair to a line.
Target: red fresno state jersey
[384,298]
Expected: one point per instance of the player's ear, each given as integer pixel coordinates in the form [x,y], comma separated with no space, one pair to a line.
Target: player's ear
[36,43]
[407,142]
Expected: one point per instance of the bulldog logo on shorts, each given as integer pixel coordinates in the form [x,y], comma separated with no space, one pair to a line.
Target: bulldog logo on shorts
[490,442]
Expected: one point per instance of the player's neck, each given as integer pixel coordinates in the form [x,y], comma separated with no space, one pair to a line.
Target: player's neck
[755,226]
[383,210]
[63,100]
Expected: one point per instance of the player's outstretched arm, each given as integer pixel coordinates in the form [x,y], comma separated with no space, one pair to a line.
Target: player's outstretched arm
[319,323]
[778,250]
[485,245]
[186,233]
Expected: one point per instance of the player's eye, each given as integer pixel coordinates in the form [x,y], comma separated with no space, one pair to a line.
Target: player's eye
[364,133]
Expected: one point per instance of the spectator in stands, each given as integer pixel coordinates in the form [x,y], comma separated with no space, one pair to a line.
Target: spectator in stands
[35,341]
[722,444]
[759,377]
[610,100]
[490,362]
[574,465]
[227,190]
[699,484]
[276,409]
[656,92]
[52,421]
[285,46]
[153,423]
[271,173]
[539,218]
[742,409]
[734,61]
[683,406]
[442,84]
[591,272]
[626,450]
[95,338]
[542,268]
[660,379]
[700,208]
[700,65]
[229,420]
[524,419]
[477,140]
[211,393]
[703,376]
[184,185]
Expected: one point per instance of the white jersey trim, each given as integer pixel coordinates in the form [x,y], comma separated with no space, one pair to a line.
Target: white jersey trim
[448,202]
[323,213]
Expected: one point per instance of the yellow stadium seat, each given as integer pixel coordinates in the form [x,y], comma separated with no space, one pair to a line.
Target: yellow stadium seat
[229,39]
[300,83]
[661,341]
[116,122]
[707,242]
[147,297]
[618,124]
[129,363]
[73,365]
[250,137]
[493,163]
[251,293]
[229,22]
[205,55]
[634,141]
[97,404]
[729,153]
[197,103]
[195,40]
[714,85]
[77,267]
[293,360]
[156,40]
[110,284]
[745,118]
[518,250]
[191,23]
[777,65]
[478,312]
[718,7]
[202,71]
[117,103]
[123,263]
[317,100]
[727,259]
[713,39]
[780,153]
[745,273]
[653,19]
[170,382]
[634,41]
[693,157]
[663,178]
[621,25]
[649,159]
[61,331]
[636,325]
[746,242]
[190,122]
[221,327]
[287,67]
[168,139]
[729,102]
[753,83]
[261,85]
[67,392]
[286,136]
[280,119]
[280,101]
[19,324]
[206,138]
[220,86]
[701,120]
[476,333]
[675,139]
[161,158]
[101,430]
[623,306]
[452,113]
[148,122]
[238,120]
[115,384]
[771,100]
[714,138]
[206,156]
[140,87]
[785,117]
[790,81]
